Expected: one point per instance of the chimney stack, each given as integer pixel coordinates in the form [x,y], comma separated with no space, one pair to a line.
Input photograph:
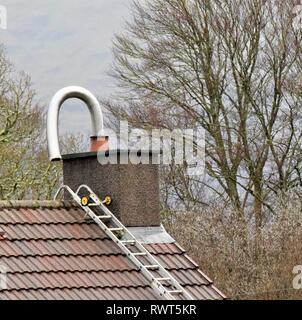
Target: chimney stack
[133,188]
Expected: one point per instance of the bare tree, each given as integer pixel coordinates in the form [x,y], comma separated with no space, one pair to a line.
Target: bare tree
[25,170]
[230,66]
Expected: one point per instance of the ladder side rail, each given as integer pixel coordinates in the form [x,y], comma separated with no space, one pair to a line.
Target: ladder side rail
[159,287]
[67,188]
[163,291]
[141,248]
[84,186]
[163,271]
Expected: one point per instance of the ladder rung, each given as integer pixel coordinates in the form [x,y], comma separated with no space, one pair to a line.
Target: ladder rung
[152,266]
[162,279]
[128,241]
[150,272]
[175,291]
[116,229]
[104,217]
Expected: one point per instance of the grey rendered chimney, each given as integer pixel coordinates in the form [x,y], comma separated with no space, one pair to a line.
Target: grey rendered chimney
[134,188]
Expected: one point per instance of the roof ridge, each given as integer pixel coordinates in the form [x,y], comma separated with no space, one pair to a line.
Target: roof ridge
[50,204]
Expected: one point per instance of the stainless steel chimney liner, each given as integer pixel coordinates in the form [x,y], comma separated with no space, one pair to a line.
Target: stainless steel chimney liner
[53,116]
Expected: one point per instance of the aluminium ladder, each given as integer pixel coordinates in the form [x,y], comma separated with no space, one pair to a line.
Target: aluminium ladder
[163,282]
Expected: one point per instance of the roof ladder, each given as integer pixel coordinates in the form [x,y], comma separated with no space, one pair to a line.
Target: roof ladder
[163,282]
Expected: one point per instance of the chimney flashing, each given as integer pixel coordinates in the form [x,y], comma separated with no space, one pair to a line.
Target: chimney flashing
[149,235]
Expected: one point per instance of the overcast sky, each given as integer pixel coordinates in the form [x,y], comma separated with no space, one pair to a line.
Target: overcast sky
[64,42]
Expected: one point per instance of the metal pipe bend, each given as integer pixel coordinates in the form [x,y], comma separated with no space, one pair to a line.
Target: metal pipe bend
[53,116]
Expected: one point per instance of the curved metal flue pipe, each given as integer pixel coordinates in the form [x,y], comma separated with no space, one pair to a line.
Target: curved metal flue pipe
[53,116]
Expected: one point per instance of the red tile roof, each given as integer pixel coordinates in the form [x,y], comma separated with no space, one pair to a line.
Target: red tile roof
[51,252]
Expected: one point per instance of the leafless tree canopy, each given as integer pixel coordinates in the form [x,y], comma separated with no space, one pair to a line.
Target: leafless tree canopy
[25,171]
[231,66]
